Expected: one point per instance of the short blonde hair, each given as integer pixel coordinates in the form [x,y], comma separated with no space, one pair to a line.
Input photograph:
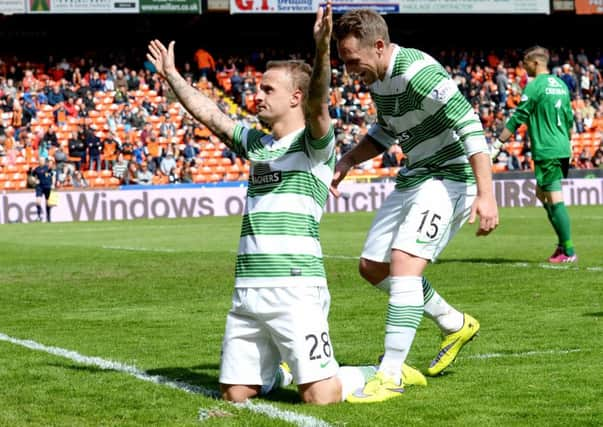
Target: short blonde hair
[299,71]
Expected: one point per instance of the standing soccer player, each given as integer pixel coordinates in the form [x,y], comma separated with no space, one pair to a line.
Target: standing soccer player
[447,180]
[545,106]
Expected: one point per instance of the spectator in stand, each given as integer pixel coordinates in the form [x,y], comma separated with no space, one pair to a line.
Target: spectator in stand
[127,149]
[51,137]
[111,146]
[77,149]
[191,150]
[570,80]
[78,180]
[63,167]
[167,128]
[187,71]
[94,146]
[168,163]
[56,95]
[206,66]
[502,84]
[46,180]
[133,81]
[527,163]
[144,176]
[236,86]
[131,176]
[186,176]
[121,82]
[153,150]
[96,83]
[584,159]
[597,159]
[120,168]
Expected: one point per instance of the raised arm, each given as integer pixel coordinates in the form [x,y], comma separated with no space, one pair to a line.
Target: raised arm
[318,107]
[196,103]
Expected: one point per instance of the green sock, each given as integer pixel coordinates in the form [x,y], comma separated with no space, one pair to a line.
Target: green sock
[549,213]
[561,221]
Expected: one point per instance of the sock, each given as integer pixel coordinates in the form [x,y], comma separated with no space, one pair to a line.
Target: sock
[280,379]
[48,213]
[404,313]
[354,377]
[39,209]
[561,223]
[437,309]
[549,213]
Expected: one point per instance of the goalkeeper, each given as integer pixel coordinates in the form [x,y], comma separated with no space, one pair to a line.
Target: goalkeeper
[545,107]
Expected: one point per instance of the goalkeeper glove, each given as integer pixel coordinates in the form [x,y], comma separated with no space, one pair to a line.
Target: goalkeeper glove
[495,148]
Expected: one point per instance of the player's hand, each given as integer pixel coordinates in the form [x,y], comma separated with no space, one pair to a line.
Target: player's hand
[162,58]
[495,149]
[487,210]
[323,26]
[341,170]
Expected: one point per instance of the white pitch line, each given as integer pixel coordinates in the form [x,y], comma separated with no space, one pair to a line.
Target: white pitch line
[131,248]
[260,408]
[521,354]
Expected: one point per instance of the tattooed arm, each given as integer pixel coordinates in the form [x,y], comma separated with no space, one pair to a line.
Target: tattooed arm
[318,108]
[196,103]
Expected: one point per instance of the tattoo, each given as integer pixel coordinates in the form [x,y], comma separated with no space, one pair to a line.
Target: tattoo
[202,108]
[319,82]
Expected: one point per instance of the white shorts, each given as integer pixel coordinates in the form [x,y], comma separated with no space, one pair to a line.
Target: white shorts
[268,325]
[420,221]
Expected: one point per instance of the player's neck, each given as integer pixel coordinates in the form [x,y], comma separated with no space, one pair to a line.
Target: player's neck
[285,127]
[386,59]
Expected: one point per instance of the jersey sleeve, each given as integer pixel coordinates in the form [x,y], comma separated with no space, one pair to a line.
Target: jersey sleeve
[321,150]
[380,133]
[523,110]
[447,104]
[243,138]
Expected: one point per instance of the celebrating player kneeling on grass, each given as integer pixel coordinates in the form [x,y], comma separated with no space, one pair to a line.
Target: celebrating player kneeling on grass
[281,300]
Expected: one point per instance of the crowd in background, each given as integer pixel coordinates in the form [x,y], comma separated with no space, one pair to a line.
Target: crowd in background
[111,125]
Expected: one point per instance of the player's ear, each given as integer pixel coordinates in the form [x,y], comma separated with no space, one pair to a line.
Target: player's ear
[380,46]
[296,98]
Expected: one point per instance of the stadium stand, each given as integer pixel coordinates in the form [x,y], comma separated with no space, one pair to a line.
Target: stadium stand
[112,108]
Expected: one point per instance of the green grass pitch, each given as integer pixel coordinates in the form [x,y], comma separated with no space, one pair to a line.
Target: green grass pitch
[154,295]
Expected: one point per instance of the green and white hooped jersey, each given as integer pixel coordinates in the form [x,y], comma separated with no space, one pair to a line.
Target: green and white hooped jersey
[289,183]
[420,107]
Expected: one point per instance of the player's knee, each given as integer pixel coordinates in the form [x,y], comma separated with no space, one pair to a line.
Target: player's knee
[322,392]
[237,394]
[372,271]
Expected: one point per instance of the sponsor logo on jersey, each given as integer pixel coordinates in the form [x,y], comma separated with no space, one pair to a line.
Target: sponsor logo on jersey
[442,93]
[273,177]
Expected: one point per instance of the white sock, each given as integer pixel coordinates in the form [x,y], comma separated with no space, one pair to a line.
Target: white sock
[404,313]
[281,379]
[354,377]
[437,309]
